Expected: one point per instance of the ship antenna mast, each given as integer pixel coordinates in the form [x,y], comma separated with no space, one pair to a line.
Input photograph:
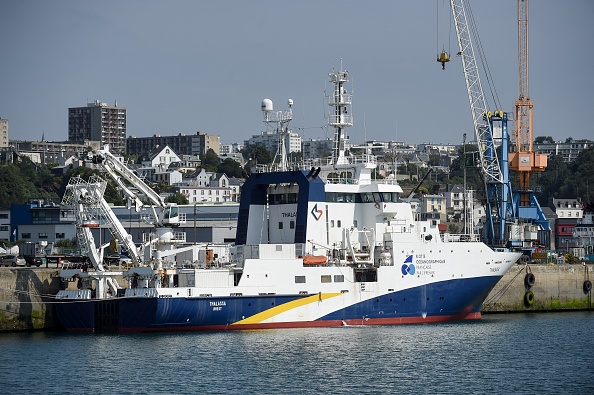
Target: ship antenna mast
[281,119]
[340,115]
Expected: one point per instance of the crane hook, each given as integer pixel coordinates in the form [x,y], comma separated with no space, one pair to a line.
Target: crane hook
[443,58]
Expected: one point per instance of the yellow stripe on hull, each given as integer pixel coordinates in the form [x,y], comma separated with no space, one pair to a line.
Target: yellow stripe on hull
[266,314]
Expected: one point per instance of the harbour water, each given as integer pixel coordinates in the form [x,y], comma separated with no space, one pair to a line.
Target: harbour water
[500,354]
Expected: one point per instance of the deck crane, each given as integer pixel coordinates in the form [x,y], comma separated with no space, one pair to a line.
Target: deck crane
[524,160]
[169,215]
[92,211]
[497,184]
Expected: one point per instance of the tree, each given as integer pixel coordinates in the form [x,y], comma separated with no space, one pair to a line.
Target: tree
[24,180]
[258,153]
[552,179]
[177,198]
[65,243]
[230,167]
[210,158]
[453,228]
[544,139]
[210,161]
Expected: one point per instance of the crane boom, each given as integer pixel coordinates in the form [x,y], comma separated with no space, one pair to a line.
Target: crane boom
[116,169]
[484,136]
[494,171]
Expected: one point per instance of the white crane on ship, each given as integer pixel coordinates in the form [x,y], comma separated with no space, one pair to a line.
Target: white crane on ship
[169,215]
[92,211]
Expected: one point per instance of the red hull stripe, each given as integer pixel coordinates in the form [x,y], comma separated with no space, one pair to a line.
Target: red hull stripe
[312,324]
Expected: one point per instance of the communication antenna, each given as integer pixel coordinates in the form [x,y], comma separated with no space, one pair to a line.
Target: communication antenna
[280,119]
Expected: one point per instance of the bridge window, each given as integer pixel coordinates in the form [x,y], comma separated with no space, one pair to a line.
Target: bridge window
[367,197]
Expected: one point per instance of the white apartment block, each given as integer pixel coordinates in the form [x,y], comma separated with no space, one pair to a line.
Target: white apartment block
[270,141]
[569,151]
[3,132]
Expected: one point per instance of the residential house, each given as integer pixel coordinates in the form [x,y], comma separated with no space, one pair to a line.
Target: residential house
[431,204]
[569,212]
[160,158]
[167,177]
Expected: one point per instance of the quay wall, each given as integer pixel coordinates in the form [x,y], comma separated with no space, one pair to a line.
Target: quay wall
[26,298]
[556,288]
[27,295]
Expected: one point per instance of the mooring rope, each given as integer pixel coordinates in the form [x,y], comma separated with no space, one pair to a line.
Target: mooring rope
[503,289]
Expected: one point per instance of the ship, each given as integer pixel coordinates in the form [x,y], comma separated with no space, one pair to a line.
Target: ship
[318,244]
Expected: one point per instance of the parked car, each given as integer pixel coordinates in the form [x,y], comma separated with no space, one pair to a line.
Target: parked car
[13,260]
[118,260]
[33,261]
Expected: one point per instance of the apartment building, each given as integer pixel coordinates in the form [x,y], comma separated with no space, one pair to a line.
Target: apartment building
[182,144]
[100,122]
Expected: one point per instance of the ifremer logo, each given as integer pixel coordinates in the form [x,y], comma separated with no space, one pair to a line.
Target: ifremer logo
[316,213]
[408,269]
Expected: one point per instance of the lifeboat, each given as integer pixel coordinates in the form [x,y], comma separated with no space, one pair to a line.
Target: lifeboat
[314,260]
[90,224]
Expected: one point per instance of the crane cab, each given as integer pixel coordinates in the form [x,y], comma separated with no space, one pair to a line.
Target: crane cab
[170,215]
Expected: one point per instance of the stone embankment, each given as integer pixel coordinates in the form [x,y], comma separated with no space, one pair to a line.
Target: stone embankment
[26,298]
[27,295]
[542,287]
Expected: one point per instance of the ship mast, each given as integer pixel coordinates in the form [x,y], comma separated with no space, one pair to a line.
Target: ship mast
[341,117]
[281,119]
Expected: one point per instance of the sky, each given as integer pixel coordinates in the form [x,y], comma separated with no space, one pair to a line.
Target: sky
[186,66]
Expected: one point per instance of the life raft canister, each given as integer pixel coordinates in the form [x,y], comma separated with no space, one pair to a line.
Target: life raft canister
[528,298]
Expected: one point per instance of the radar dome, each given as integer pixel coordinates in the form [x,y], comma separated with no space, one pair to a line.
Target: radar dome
[266,105]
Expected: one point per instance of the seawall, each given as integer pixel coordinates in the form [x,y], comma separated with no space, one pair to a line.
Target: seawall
[555,288]
[26,298]
[27,302]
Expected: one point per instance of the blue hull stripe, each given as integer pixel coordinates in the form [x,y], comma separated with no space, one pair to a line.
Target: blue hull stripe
[448,299]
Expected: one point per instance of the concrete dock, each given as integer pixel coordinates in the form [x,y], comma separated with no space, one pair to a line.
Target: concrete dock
[27,294]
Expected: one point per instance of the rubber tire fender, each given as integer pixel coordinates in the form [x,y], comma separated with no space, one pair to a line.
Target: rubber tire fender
[528,298]
[529,280]
[587,286]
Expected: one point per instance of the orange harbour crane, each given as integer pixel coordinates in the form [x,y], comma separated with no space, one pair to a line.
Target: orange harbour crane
[524,160]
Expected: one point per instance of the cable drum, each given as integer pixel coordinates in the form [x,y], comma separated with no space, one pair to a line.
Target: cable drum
[587,286]
[529,280]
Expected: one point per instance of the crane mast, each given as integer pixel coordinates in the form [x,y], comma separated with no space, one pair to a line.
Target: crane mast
[497,184]
[507,211]
[525,161]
